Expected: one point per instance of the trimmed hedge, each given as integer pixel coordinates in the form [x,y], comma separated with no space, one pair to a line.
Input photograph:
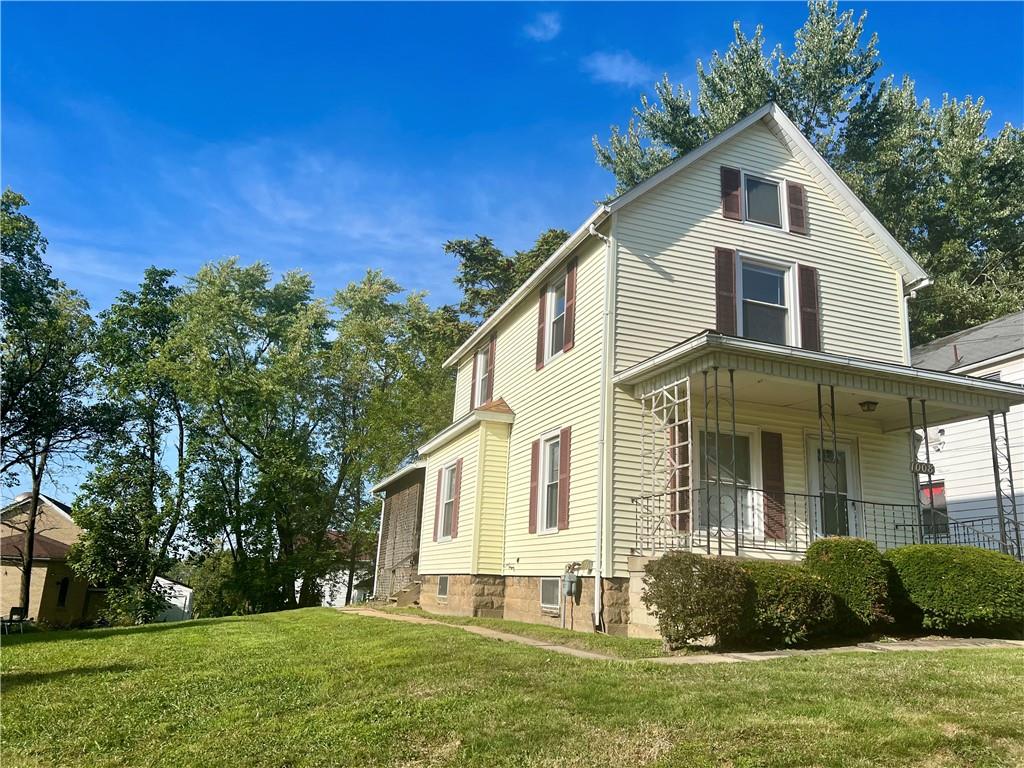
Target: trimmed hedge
[791,604]
[693,597]
[858,576]
[960,589]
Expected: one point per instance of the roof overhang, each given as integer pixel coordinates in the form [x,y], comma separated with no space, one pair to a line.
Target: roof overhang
[532,283]
[709,341]
[407,469]
[911,273]
[470,421]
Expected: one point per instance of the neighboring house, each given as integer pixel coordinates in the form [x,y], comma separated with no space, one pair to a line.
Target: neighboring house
[717,360]
[962,490]
[57,596]
[335,586]
[398,539]
[179,597]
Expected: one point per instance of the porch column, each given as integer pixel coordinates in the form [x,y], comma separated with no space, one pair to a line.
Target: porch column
[1006,496]
[830,466]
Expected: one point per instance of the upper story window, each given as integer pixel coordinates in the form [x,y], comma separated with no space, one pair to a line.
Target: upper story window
[556,315]
[764,302]
[761,198]
[483,372]
[556,318]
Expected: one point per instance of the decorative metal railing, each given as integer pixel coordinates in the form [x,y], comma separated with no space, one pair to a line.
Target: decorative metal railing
[722,520]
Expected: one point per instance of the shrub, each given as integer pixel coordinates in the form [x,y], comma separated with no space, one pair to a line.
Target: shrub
[791,604]
[962,589]
[692,597]
[858,576]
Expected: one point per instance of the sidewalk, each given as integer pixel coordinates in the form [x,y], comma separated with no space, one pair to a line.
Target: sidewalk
[896,646]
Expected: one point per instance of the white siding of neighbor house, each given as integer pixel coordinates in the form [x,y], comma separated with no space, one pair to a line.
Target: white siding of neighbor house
[455,555]
[962,455]
[665,286]
[883,461]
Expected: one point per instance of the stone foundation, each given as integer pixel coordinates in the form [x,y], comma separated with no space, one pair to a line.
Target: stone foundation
[517,598]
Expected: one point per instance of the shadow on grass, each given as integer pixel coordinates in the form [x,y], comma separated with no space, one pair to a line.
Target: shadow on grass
[43,636]
[21,679]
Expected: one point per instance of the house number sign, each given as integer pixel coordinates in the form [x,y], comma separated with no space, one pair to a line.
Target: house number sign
[922,468]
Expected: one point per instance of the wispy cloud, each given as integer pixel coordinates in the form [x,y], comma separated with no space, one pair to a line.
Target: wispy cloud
[544,27]
[621,68]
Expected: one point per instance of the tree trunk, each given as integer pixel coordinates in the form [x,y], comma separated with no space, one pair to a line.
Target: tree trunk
[28,549]
[353,549]
[179,502]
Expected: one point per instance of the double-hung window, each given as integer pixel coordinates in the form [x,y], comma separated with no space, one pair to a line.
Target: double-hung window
[722,459]
[556,317]
[482,387]
[447,501]
[761,201]
[551,459]
[764,302]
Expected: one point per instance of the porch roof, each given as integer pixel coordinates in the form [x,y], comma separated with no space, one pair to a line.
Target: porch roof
[956,396]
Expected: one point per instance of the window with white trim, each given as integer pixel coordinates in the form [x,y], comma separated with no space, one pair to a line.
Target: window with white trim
[550,594]
[764,302]
[556,318]
[483,374]
[447,501]
[442,587]
[551,450]
[762,201]
[721,460]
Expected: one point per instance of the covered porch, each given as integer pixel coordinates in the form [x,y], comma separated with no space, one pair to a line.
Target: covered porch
[756,450]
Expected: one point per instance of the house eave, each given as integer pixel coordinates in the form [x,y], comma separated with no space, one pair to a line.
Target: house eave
[398,475]
[532,283]
[469,421]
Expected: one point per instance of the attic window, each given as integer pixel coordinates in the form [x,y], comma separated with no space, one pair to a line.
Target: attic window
[761,200]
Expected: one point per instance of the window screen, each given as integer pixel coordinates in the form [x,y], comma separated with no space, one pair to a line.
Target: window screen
[763,201]
[765,315]
[549,593]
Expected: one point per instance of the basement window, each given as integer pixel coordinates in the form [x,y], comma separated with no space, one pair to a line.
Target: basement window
[442,587]
[550,595]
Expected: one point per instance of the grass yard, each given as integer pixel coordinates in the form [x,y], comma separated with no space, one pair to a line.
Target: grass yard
[320,688]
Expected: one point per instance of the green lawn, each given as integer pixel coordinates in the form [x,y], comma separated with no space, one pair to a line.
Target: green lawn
[320,688]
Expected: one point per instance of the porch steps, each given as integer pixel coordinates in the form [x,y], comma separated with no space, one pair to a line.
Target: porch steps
[407,595]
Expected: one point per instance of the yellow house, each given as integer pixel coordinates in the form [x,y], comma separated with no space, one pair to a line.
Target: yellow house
[57,595]
[717,360]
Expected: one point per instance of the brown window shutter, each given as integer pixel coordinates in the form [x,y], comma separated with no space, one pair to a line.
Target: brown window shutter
[810,308]
[774,481]
[796,197]
[564,458]
[679,499]
[570,307]
[534,484]
[540,327]
[731,182]
[472,386]
[489,395]
[437,504]
[457,497]
[725,291]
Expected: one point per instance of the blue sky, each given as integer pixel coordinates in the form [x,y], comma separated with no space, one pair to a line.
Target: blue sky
[335,138]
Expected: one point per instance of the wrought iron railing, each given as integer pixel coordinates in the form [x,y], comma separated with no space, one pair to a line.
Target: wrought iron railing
[723,520]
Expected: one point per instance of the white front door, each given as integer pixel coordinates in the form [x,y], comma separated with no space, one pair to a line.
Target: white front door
[837,505]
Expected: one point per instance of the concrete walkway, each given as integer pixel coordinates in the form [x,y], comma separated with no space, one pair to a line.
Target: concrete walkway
[923,644]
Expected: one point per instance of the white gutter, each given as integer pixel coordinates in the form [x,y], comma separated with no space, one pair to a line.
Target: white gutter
[681,351]
[532,282]
[380,537]
[602,427]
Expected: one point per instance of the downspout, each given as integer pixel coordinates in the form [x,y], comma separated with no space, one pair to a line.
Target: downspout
[380,535]
[602,429]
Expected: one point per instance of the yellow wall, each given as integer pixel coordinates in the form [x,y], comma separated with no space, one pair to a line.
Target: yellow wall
[490,533]
[454,555]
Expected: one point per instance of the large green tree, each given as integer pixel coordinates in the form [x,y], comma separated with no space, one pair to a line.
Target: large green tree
[947,188]
[49,411]
[132,503]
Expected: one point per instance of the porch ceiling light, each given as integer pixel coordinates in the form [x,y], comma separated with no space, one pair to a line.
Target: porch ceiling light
[868,406]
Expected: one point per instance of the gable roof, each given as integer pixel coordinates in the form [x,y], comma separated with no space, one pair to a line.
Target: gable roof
[43,548]
[22,498]
[910,271]
[996,338]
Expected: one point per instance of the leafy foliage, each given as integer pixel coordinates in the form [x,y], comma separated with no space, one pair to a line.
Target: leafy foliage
[962,589]
[857,575]
[791,605]
[951,193]
[693,597]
